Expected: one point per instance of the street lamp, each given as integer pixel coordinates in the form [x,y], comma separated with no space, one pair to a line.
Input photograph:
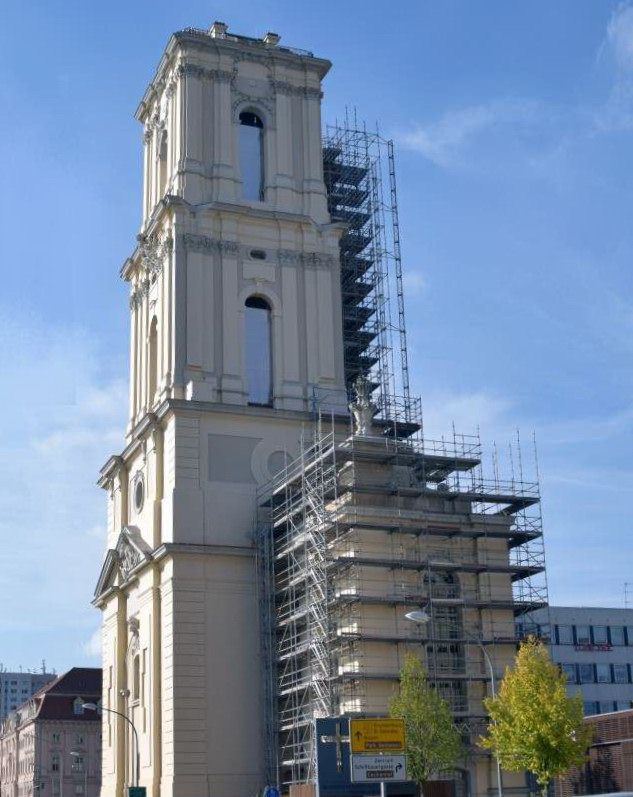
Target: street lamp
[421,617]
[94,707]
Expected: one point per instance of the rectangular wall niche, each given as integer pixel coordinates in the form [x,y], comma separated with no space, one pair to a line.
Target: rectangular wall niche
[230,458]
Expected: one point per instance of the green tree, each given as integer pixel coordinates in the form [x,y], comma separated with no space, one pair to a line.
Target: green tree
[534,725]
[433,743]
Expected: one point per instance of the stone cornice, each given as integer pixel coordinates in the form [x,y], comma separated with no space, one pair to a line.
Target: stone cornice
[188,69]
[236,49]
[170,548]
[283,87]
[203,243]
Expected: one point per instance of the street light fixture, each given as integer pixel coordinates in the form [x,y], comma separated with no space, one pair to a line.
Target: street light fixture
[421,617]
[95,707]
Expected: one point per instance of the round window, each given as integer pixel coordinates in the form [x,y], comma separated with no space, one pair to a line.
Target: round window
[139,494]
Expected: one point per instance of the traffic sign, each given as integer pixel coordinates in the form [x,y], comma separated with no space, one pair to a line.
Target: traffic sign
[377,736]
[378,768]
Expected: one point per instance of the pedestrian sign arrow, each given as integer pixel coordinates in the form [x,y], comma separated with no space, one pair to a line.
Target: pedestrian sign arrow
[377,736]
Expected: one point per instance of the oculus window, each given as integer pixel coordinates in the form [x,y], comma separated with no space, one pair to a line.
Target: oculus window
[259,362]
[252,156]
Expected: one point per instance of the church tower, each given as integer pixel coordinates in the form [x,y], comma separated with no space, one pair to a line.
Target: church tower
[235,335]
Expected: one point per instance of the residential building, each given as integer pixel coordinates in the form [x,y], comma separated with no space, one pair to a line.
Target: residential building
[258,310]
[50,746]
[594,647]
[17,687]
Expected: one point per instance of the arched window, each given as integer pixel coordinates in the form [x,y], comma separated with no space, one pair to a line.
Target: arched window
[162,164]
[153,360]
[252,156]
[259,365]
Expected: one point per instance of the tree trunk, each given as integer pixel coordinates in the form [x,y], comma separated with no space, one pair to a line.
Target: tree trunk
[545,790]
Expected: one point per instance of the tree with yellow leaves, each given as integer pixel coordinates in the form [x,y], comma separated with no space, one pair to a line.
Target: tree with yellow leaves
[534,725]
[432,742]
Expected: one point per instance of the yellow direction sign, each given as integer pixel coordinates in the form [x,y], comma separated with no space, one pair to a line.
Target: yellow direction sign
[375,736]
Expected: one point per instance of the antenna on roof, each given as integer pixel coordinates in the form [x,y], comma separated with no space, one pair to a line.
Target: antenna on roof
[43,666]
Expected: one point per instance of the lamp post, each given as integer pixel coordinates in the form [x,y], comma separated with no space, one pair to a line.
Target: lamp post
[94,707]
[421,617]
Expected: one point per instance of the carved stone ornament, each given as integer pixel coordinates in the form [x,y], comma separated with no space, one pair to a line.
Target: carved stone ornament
[133,626]
[283,87]
[194,70]
[202,243]
[362,408]
[129,556]
[306,259]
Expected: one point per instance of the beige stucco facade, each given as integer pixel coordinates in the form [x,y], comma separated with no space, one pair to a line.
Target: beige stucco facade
[177,590]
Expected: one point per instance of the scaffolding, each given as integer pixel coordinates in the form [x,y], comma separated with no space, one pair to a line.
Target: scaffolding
[358,530]
[360,180]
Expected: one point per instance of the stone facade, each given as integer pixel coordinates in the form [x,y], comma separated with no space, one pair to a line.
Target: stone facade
[51,746]
[177,591]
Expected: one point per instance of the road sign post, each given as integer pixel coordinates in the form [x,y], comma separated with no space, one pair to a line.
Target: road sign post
[374,768]
[377,752]
[376,736]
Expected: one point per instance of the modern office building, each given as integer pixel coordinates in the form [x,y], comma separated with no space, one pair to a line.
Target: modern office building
[594,647]
[609,767]
[17,687]
[260,316]
[50,746]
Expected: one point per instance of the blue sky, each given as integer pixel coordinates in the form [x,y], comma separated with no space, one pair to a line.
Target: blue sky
[513,125]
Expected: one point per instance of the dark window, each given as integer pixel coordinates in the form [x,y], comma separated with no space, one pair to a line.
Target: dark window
[252,156]
[586,673]
[620,673]
[617,635]
[259,361]
[603,673]
[600,635]
[565,635]
[583,635]
[570,672]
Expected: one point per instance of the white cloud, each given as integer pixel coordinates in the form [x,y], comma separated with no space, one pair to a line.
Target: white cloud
[468,412]
[414,283]
[444,141]
[61,420]
[617,112]
[92,648]
[620,36]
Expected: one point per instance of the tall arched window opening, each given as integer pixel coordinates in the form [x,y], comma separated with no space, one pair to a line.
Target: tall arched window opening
[252,156]
[136,677]
[258,342]
[162,164]
[153,361]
